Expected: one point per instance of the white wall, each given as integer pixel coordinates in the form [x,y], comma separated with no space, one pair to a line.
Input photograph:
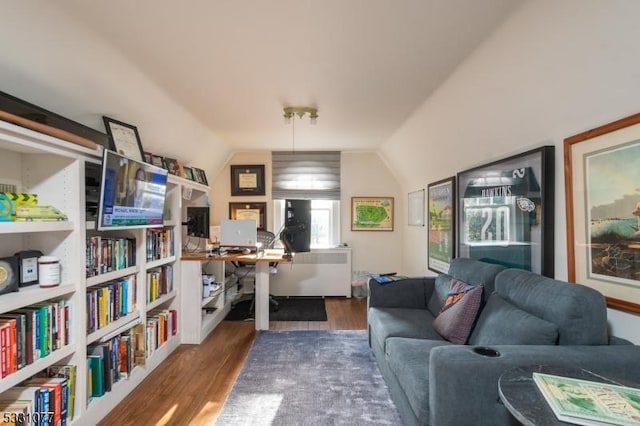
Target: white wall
[553,69]
[55,62]
[363,174]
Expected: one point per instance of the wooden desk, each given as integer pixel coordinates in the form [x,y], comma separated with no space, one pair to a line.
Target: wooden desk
[261,292]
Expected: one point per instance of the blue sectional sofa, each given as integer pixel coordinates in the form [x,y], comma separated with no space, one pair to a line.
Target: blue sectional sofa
[526,318]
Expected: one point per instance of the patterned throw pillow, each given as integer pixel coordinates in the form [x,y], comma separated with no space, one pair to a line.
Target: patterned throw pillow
[459,312]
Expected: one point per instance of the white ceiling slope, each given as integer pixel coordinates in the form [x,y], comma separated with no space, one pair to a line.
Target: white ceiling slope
[233,64]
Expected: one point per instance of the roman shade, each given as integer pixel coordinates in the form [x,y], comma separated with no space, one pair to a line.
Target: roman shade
[305,175]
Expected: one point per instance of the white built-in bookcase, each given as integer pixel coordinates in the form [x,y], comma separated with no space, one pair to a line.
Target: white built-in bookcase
[55,170]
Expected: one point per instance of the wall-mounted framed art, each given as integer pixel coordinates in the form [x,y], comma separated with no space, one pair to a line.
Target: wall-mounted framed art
[372,213]
[247,180]
[603,210]
[441,208]
[415,208]
[248,211]
[124,138]
[506,211]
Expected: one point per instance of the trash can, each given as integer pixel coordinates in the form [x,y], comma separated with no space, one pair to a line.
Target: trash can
[359,284]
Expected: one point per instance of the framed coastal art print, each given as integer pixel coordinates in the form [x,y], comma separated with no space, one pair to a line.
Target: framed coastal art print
[506,211]
[602,183]
[372,213]
[441,202]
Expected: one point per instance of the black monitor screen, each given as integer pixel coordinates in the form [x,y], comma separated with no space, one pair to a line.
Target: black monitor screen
[198,222]
[297,225]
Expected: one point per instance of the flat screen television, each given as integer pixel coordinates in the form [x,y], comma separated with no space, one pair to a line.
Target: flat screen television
[296,235]
[132,193]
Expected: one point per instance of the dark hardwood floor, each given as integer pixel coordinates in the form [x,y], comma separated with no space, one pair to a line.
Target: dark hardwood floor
[191,385]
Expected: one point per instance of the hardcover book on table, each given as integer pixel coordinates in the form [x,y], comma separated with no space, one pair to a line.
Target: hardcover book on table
[588,403]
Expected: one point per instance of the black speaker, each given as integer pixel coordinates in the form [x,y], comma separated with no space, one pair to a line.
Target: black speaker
[9,275]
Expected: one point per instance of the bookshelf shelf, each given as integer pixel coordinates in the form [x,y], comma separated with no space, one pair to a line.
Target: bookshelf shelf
[128,320]
[160,262]
[161,300]
[19,376]
[110,276]
[33,294]
[33,227]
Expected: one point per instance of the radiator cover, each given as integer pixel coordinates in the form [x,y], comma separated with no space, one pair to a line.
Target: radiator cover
[321,272]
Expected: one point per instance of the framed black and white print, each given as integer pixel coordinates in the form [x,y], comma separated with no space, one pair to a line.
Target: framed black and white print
[506,211]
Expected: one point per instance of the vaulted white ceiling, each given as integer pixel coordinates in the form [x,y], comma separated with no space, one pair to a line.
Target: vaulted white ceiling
[233,64]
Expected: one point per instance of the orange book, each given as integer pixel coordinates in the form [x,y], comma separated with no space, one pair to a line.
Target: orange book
[5,331]
[12,352]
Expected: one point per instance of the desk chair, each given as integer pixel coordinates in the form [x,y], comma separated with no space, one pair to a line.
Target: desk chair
[248,270]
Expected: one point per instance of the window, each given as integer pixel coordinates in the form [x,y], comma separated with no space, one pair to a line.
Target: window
[325,222]
[313,175]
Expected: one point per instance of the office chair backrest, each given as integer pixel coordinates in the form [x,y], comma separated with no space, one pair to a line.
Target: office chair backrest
[266,238]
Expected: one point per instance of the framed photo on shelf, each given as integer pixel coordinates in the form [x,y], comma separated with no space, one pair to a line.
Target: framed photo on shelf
[188,173]
[157,160]
[416,208]
[441,208]
[603,210]
[199,176]
[247,211]
[372,213]
[148,157]
[506,211]
[247,180]
[124,138]
[171,165]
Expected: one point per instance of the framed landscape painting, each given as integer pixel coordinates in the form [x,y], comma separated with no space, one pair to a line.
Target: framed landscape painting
[602,183]
[506,212]
[441,201]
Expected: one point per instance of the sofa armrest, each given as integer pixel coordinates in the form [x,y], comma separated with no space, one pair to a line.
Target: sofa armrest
[406,293]
[463,385]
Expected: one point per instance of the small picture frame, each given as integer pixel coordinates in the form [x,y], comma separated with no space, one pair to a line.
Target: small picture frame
[171,165]
[199,176]
[372,213]
[246,211]
[148,157]
[124,138]
[157,160]
[188,173]
[247,180]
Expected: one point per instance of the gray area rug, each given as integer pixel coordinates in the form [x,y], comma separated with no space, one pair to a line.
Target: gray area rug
[309,377]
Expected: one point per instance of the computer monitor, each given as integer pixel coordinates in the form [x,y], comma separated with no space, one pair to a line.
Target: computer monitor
[198,222]
[238,233]
[296,235]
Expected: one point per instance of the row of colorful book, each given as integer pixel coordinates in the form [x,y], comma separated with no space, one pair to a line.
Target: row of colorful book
[162,324]
[159,282]
[159,243]
[46,399]
[110,301]
[33,332]
[109,254]
[110,362]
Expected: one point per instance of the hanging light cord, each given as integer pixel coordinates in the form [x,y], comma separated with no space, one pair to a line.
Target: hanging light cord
[293,133]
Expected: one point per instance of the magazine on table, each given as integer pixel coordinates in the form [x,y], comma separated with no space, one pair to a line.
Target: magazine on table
[588,403]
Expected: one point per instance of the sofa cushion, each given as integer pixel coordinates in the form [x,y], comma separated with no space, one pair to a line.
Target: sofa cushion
[472,272]
[501,323]
[459,312]
[400,322]
[579,312]
[408,360]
